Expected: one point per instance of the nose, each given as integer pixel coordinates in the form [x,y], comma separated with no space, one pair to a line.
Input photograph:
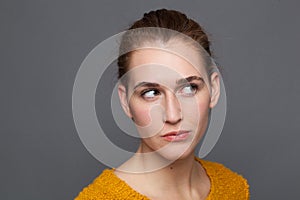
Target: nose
[172,107]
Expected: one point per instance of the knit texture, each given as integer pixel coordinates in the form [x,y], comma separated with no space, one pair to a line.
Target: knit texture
[225,184]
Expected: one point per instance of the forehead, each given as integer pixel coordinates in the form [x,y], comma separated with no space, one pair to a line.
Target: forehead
[165,63]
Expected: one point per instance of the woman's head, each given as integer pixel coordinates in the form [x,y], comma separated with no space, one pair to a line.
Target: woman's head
[164,19]
[165,89]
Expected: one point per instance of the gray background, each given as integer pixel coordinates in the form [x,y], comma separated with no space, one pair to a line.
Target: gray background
[43,43]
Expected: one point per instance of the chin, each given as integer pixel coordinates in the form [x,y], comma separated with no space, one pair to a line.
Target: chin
[176,152]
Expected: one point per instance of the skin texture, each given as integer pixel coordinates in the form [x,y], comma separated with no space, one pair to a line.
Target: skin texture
[166,93]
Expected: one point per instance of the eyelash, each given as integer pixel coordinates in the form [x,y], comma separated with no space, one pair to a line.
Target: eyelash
[148,90]
[194,87]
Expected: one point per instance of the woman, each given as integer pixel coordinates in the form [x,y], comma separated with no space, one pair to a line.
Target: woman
[168,86]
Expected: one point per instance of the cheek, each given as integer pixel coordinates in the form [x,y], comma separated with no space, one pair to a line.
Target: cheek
[147,118]
[140,114]
[203,109]
[203,102]
[195,112]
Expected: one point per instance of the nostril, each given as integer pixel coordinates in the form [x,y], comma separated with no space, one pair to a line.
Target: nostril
[172,121]
[172,117]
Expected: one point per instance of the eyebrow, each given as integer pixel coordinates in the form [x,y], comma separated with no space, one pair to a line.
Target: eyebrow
[189,79]
[146,84]
[178,82]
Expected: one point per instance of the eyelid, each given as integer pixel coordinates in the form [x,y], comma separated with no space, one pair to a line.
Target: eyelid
[181,86]
[196,87]
[146,90]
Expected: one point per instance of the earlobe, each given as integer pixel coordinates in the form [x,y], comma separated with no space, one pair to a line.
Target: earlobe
[215,89]
[123,100]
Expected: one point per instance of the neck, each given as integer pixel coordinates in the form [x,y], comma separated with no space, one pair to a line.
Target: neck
[180,176]
[182,179]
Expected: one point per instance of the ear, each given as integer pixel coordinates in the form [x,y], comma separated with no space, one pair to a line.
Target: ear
[123,99]
[215,89]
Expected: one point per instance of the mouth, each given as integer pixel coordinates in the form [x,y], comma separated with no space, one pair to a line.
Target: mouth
[176,136]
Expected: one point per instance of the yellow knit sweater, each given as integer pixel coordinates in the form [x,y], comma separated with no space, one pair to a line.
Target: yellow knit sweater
[225,184]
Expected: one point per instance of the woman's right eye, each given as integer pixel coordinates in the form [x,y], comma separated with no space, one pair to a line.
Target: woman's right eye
[150,93]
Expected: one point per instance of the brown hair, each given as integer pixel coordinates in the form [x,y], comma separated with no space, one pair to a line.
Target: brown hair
[162,18]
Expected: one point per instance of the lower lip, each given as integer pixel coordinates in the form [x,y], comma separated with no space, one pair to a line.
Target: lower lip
[176,138]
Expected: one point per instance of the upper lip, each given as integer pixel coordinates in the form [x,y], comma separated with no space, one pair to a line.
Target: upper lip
[175,133]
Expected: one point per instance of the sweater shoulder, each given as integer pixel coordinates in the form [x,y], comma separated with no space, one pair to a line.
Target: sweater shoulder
[225,183]
[108,186]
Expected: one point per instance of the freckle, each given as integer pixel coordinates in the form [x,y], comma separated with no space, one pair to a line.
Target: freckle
[171,167]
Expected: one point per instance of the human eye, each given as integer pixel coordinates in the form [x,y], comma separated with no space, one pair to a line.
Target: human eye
[189,90]
[150,94]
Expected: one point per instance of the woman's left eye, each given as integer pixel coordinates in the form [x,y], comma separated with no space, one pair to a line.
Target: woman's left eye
[189,90]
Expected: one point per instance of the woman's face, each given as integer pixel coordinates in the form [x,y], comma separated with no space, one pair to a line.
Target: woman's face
[169,100]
